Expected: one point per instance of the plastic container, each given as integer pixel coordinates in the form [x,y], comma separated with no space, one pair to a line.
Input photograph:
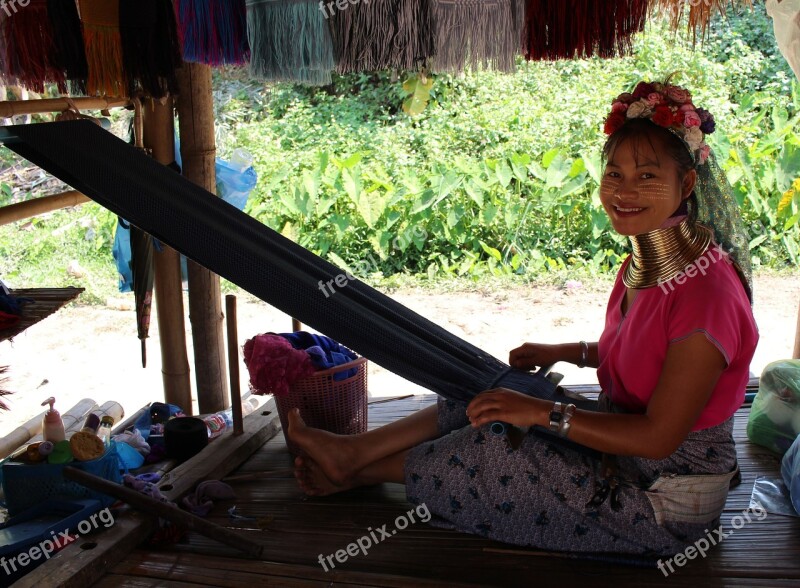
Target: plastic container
[104,431]
[52,425]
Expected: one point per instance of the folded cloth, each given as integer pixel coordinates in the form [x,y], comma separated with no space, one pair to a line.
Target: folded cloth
[274,364]
[325,352]
[201,502]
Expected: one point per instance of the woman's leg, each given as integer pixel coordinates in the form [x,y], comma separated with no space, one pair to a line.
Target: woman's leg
[314,482]
[341,457]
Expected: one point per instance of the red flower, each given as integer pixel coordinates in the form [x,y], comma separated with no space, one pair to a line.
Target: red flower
[678,118]
[643,90]
[663,116]
[614,122]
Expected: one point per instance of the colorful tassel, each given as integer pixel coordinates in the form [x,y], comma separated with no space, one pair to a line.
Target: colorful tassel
[289,41]
[559,29]
[213,32]
[31,49]
[151,52]
[476,33]
[385,34]
[699,13]
[101,37]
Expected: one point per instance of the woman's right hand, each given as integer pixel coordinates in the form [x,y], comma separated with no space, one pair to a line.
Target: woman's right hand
[531,355]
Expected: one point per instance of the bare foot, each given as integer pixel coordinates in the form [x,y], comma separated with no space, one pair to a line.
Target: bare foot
[334,455]
[312,480]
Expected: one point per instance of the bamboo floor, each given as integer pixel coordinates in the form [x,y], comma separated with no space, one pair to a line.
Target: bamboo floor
[298,529]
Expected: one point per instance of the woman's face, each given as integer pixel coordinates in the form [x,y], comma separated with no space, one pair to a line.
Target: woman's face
[641,188]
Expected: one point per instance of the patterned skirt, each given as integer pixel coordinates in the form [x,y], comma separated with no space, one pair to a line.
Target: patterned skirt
[551,497]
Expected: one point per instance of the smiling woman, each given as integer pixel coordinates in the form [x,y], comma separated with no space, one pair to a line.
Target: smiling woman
[672,363]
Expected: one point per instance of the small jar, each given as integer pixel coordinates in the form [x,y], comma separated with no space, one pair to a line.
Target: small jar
[91,424]
[104,431]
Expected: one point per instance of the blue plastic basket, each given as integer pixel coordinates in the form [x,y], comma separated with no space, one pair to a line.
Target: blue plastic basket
[27,485]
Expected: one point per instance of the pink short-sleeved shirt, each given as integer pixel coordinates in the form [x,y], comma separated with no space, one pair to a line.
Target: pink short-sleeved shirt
[633,347]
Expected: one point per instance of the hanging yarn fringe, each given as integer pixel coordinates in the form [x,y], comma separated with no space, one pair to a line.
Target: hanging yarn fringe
[699,14]
[289,41]
[5,76]
[213,32]
[375,35]
[477,34]
[103,46]
[70,52]
[151,53]
[565,29]
[31,49]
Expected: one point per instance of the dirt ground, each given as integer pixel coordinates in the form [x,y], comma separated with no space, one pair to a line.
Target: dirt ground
[93,352]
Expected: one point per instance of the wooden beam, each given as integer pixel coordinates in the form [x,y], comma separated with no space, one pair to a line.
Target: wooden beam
[22,107]
[22,210]
[159,137]
[198,153]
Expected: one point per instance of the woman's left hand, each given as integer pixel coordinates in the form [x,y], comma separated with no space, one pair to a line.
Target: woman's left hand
[502,404]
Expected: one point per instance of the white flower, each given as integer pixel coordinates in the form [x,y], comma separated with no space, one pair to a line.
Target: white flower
[694,138]
[640,109]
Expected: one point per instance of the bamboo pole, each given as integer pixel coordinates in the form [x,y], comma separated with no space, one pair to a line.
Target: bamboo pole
[233,364]
[21,435]
[159,136]
[22,210]
[23,107]
[796,354]
[198,150]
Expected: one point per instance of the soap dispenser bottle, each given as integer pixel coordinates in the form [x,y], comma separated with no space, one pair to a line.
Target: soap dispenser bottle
[52,425]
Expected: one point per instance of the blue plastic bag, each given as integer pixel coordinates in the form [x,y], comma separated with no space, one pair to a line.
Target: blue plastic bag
[790,470]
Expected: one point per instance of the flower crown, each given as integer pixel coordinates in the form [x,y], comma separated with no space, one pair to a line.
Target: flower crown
[669,107]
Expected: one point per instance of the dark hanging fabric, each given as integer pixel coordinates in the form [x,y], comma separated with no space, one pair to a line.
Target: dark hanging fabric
[5,75]
[566,29]
[213,32]
[151,52]
[289,41]
[387,34]
[70,52]
[266,264]
[475,34]
[103,45]
[31,48]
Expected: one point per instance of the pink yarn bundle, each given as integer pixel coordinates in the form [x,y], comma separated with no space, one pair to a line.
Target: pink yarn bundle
[274,364]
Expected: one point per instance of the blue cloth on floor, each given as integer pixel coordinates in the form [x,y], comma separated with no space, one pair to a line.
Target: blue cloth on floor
[325,352]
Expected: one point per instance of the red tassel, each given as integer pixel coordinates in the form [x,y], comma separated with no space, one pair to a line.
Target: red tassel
[559,29]
[30,45]
[101,37]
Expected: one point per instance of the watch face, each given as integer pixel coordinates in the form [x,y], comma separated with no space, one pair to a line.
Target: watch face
[556,417]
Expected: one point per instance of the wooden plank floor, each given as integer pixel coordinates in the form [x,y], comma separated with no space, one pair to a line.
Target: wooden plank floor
[298,529]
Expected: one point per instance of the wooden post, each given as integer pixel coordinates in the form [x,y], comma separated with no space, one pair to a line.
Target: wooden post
[796,354]
[233,364]
[198,151]
[159,136]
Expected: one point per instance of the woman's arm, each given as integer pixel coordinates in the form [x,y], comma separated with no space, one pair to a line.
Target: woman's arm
[690,372]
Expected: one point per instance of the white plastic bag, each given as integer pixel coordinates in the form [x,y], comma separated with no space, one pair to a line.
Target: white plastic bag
[786,17]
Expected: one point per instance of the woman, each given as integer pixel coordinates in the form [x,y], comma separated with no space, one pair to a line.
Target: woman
[673,362]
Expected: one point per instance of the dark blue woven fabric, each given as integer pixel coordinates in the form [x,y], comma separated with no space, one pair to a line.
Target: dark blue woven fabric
[266,264]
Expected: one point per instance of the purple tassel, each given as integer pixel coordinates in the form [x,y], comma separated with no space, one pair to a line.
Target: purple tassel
[214,32]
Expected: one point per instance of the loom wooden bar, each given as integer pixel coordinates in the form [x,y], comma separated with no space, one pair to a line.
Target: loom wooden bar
[22,210]
[224,454]
[165,511]
[159,136]
[23,107]
[198,150]
[233,364]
